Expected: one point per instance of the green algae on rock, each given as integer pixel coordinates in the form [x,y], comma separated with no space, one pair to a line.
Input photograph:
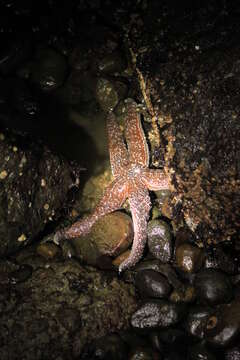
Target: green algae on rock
[111,235]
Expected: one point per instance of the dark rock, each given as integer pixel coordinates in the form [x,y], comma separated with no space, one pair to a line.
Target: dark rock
[205,173]
[78,89]
[174,355]
[34,186]
[79,58]
[210,262]
[156,341]
[49,69]
[141,353]
[186,295]
[112,63]
[22,274]
[108,347]
[223,327]
[232,353]
[189,258]
[174,337]
[6,269]
[213,287]
[108,93]
[175,342]
[194,82]
[160,240]
[166,269]
[196,320]
[23,99]
[226,260]
[157,313]
[48,307]
[200,352]
[133,339]
[152,284]
[14,50]
[69,318]
[9,301]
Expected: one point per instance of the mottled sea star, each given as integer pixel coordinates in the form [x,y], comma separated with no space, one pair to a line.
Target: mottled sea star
[132,180]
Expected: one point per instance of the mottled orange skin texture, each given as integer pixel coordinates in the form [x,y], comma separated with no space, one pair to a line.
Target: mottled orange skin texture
[132,180]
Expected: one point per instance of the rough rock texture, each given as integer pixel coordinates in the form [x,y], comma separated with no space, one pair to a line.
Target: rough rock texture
[58,307]
[34,187]
[193,78]
[204,145]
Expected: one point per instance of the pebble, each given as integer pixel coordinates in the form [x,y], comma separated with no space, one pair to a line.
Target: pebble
[165,269]
[186,294]
[152,284]
[189,258]
[223,327]
[94,188]
[200,352]
[173,336]
[112,63]
[108,93]
[233,353]
[142,353]
[162,196]
[213,287]
[23,99]
[157,313]
[49,69]
[156,341]
[160,240]
[48,250]
[196,320]
[111,235]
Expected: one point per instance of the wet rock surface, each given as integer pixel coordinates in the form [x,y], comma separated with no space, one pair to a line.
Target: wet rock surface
[63,67]
[34,185]
[189,258]
[160,240]
[157,313]
[152,284]
[223,326]
[197,103]
[48,70]
[213,287]
[200,352]
[110,236]
[58,300]
[197,319]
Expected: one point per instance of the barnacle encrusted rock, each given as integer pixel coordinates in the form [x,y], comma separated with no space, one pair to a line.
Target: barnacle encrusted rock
[204,145]
[200,94]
